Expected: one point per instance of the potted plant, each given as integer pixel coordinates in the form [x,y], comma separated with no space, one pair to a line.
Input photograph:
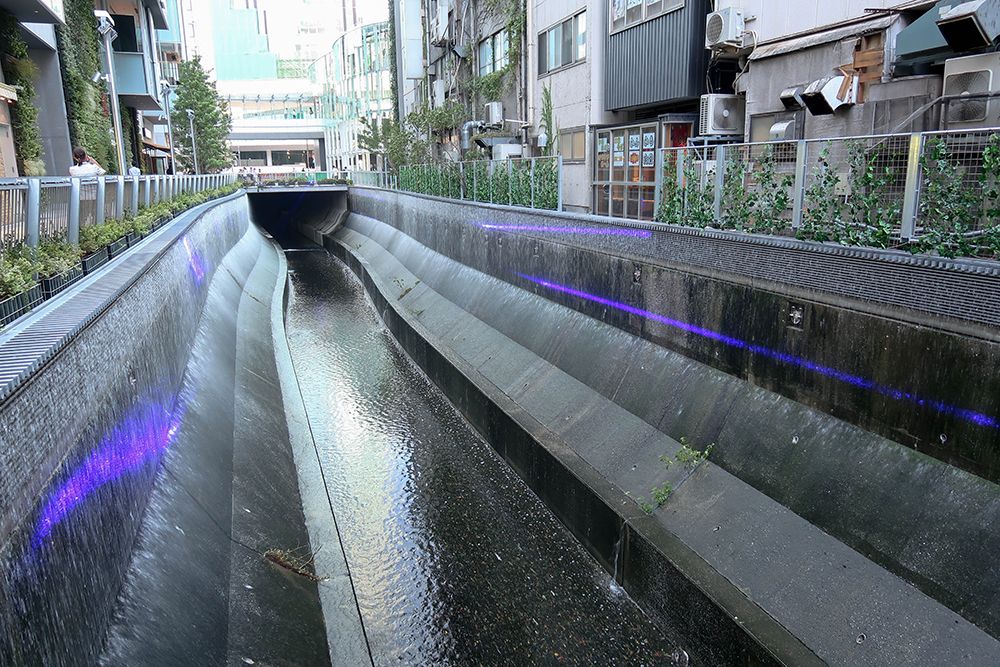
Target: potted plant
[60,266]
[94,247]
[18,289]
[117,232]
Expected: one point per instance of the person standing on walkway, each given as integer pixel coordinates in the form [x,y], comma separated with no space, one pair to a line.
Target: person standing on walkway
[84,165]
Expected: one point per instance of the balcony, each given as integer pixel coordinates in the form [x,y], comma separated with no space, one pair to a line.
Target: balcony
[35,11]
[136,82]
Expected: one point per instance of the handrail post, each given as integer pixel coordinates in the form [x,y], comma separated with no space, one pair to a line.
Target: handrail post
[33,221]
[720,181]
[475,189]
[559,182]
[120,198]
[73,220]
[134,208]
[911,195]
[99,200]
[798,196]
[510,185]
[148,195]
[531,181]
[658,180]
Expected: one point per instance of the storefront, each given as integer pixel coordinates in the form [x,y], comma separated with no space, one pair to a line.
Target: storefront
[625,164]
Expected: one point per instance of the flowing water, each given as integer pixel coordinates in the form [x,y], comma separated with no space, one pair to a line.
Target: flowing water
[453,558]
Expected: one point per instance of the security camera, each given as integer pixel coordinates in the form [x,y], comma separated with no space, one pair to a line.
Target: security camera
[98,77]
[105,24]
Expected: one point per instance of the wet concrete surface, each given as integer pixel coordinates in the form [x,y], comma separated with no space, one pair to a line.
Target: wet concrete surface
[453,559]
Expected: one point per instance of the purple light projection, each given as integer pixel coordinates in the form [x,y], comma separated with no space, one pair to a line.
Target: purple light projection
[140,438]
[194,262]
[593,231]
[977,418]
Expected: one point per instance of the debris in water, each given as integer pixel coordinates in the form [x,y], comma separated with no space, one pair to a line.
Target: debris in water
[292,562]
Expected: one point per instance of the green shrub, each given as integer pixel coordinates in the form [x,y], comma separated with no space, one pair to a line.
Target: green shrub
[17,271]
[57,256]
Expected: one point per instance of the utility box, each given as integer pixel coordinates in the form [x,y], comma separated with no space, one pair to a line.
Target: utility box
[505,151]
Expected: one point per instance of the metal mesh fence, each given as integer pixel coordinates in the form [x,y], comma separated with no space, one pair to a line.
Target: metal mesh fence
[13,213]
[88,203]
[54,209]
[528,182]
[110,197]
[127,185]
[932,192]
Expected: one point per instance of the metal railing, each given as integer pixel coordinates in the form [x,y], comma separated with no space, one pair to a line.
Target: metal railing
[375,179]
[935,191]
[36,208]
[529,182]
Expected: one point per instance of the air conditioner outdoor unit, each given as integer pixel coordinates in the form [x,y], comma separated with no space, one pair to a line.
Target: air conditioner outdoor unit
[969,76]
[493,113]
[724,29]
[722,115]
[970,25]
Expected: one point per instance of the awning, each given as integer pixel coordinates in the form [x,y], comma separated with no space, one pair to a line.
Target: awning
[148,143]
[7,93]
[818,38]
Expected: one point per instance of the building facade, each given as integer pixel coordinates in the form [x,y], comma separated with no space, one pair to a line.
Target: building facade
[34,26]
[625,78]
[356,80]
[853,68]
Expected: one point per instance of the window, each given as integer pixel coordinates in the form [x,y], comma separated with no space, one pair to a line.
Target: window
[572,145]
[493,53]
[563,44]
[627,13]
[625,171]
[128,36]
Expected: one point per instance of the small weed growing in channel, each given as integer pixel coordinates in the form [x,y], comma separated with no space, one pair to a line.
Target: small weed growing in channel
[661,494]
[690,457]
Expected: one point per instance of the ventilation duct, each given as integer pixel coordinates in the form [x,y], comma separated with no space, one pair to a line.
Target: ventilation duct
[825,96]
[970,25]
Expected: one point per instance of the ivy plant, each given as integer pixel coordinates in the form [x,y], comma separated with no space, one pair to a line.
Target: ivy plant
[873,212]
[948,208]
[738,201]
[821,217]
[772,198]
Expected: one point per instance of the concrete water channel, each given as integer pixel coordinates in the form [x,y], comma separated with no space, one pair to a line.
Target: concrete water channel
[314,427]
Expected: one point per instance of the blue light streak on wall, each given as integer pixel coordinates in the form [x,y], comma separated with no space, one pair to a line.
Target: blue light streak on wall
[139,439]
[195,262]
[783,357]
[554,229]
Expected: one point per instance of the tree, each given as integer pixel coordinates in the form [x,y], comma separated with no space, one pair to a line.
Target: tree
[212,121]
[548,122]
[392,141]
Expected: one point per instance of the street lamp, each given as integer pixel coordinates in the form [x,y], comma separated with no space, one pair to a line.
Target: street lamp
[106,29]
[194,144]
[166,91]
